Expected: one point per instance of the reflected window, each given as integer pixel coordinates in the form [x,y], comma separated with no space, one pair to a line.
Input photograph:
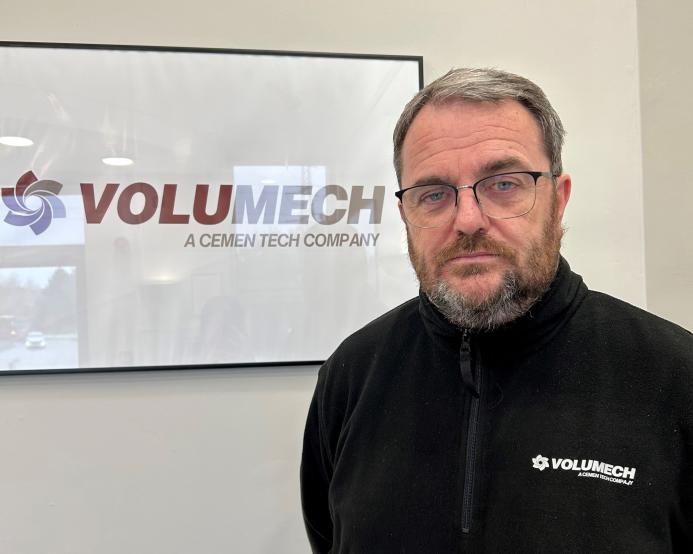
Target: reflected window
[38,318]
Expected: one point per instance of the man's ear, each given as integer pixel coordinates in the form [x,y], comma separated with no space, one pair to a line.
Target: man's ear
[563,186]
[401,212]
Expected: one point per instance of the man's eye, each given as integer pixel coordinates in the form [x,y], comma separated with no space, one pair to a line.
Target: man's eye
[504,186]
[430,197]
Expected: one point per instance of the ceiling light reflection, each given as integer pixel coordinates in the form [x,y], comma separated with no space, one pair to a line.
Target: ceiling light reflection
[16,141]
[118,162]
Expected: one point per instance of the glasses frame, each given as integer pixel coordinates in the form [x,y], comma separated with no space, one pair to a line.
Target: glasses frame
[535,175]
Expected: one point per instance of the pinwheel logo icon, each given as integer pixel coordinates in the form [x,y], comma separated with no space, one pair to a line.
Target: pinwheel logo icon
[540,462]
[25,211]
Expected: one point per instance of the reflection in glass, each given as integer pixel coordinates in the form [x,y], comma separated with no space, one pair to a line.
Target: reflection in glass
[38,318]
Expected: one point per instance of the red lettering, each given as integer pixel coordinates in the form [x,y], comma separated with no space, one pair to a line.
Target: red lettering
[200,205]
[95,208]
[94,211]
[151,201]
[168,200]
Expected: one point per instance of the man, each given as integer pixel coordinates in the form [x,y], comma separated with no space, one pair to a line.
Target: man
[507,408]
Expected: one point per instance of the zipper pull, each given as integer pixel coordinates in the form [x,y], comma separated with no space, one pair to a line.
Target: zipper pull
[466,369]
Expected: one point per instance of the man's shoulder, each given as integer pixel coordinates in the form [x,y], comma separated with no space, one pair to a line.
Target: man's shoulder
[367,352]
[614,317]
[397,321]
[375,341]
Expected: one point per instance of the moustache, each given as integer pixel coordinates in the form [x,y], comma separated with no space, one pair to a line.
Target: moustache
[468,244]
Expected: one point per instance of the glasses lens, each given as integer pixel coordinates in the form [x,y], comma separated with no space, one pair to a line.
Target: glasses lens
[429,205]
[508,195]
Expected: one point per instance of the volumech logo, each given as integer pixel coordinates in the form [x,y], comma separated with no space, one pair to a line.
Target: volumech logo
[140,202]
[588,468]
[33,203]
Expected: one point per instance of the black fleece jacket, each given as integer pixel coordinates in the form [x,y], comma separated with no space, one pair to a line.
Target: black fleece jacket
[567,430]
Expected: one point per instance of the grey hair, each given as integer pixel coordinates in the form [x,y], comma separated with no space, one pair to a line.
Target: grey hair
[485,85]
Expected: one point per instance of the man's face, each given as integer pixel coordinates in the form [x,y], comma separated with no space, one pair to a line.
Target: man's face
[480,271]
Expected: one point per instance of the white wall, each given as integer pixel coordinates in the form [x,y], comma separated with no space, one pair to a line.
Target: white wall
[152,462]
[666,43]
[207,461]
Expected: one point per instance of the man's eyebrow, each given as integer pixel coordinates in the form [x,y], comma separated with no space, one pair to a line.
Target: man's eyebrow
[492,167]
[498,166]
[430,181]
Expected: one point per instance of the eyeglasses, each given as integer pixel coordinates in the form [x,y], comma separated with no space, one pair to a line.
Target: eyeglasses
[501,196]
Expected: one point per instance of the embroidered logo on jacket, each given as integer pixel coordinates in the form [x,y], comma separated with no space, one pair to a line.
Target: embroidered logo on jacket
[540,462]
[588,468]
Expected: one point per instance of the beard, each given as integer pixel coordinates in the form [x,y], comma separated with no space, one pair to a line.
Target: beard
[519,290]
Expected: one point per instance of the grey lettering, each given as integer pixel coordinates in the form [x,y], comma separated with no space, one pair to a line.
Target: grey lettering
[244,204]
[374,205]
[291,203]
[317,206]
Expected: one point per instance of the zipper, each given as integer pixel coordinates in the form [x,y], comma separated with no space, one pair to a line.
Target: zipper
[473,383]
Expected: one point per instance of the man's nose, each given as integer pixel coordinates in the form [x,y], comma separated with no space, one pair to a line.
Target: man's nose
[469,218]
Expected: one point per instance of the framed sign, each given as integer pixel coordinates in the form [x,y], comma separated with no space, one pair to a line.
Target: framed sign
[186,207]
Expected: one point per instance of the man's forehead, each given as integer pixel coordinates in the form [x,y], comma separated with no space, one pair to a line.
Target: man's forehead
[490,136]
[460,116]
